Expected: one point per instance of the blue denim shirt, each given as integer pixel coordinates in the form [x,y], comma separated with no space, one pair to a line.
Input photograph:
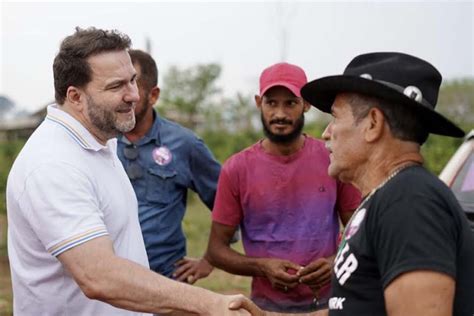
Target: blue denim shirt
[173,160]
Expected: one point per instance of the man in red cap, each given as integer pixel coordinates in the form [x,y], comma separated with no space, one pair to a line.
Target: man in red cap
[279,192]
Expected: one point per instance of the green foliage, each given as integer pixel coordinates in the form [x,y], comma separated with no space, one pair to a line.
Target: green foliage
[315,128]
[456,100]
[187,94]
[196,225]
[224,144]
[438,150]
[8,153]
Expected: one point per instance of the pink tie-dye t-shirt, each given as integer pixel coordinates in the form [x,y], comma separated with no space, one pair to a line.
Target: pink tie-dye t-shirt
[287,207]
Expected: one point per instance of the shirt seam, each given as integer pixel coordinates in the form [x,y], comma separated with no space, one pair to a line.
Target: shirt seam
[438,266]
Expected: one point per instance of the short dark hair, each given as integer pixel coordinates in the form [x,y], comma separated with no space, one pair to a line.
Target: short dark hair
[70,67]
[403,121]
[149,70]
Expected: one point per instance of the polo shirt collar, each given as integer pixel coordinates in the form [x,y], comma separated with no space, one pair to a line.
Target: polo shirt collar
[75,129]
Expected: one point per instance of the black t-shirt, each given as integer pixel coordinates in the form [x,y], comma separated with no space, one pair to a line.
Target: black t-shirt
[411,223]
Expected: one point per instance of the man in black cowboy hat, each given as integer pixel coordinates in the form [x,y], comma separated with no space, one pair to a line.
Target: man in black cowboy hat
[408,249]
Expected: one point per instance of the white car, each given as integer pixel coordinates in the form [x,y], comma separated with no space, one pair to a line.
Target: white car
[459,176]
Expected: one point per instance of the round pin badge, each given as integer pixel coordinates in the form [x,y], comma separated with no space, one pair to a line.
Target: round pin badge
[162,155]
[355,223]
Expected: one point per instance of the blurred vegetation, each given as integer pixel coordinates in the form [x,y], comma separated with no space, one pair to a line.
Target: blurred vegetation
[456,101]
[8,153]
[197,226]
[188,94]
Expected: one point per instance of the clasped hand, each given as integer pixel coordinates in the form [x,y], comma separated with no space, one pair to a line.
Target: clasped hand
[190,269]
[285,275]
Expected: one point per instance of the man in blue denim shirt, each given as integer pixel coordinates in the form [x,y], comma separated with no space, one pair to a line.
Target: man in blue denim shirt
[163,160]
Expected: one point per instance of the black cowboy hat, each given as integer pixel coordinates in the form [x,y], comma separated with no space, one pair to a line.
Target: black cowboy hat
[400,78]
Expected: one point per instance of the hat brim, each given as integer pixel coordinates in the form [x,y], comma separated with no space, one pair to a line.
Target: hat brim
[294,89]
[321,94]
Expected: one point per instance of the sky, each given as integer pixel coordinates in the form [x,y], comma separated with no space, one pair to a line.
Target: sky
[243,37]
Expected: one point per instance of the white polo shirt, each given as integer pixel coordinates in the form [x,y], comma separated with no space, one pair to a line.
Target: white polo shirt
[63,190]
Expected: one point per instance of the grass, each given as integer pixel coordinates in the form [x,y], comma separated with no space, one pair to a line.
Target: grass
[196,225]
[5,284]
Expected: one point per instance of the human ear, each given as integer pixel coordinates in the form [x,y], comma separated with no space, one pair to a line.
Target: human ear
[154,95]
[307,106]
[258,101]
[375,124]
[74,97]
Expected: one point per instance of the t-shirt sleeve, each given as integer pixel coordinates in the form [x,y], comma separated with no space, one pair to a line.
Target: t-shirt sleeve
[348,197]
[414,233]
[61,207]
[227,208]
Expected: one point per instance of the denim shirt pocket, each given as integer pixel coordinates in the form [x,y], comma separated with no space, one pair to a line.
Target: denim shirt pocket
[161,185]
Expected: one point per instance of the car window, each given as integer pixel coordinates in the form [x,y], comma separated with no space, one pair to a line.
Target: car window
[463,185]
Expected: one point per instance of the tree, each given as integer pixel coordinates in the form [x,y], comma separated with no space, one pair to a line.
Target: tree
[243,113]
[189,93]
[456,100]
[234,115]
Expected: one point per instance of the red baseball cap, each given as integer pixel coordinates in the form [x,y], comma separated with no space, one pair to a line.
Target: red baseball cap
[286,75]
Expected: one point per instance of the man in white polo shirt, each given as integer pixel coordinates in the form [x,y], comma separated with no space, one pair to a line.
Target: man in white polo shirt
[75,244]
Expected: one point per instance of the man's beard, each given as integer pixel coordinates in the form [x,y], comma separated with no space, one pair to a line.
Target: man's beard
[286,138]
[144,109]
[106,120]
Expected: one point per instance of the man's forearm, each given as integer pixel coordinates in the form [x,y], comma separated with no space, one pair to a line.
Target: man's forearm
[103,276]
[130,286]
[231,261]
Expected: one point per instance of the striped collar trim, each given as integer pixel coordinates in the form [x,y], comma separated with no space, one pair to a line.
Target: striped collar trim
[74,128]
